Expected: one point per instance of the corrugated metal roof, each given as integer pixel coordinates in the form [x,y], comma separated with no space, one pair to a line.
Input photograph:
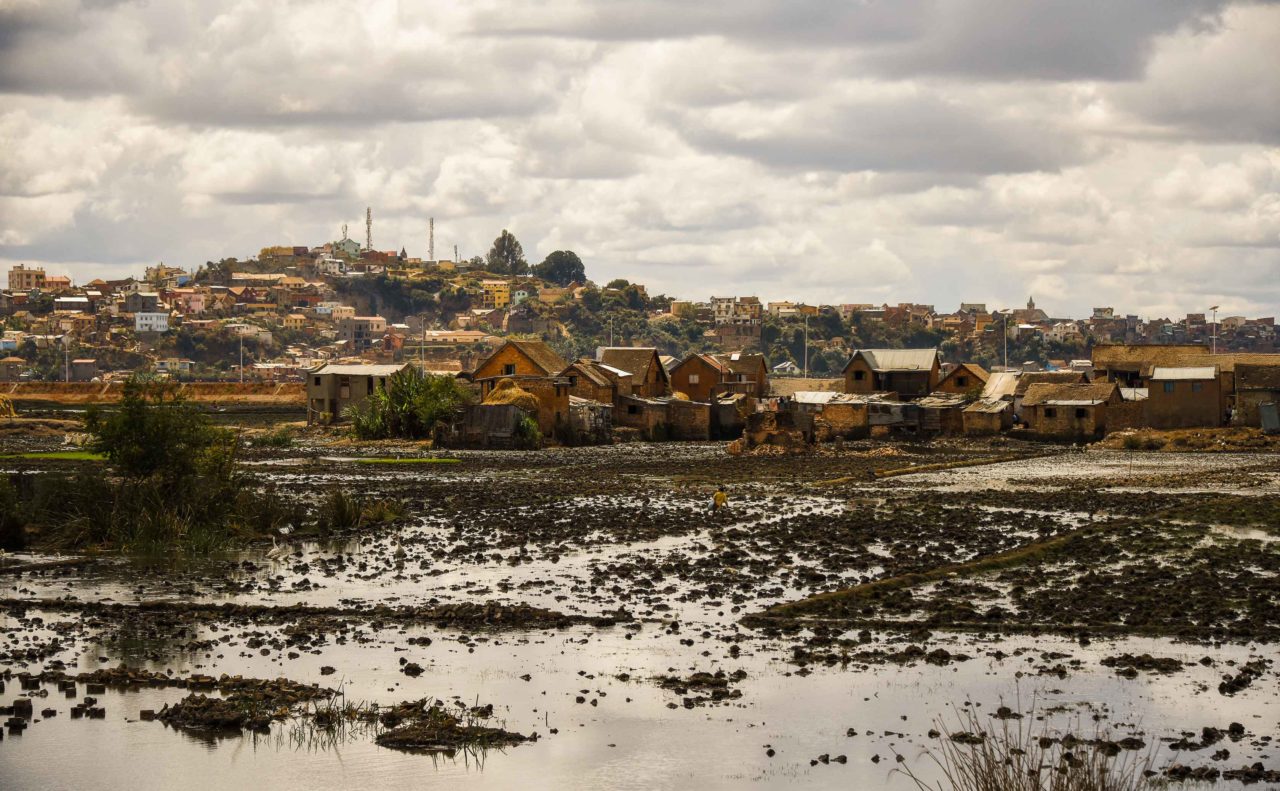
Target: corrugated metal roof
[991,407]
[814,396]
[1133,393]
[359,370]
[1183,374]
[1000,384]
[899,359]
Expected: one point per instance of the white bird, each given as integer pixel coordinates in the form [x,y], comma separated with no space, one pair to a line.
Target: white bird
[277,551]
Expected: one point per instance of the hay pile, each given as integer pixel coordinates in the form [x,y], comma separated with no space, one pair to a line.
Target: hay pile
[679,396]
[508,392]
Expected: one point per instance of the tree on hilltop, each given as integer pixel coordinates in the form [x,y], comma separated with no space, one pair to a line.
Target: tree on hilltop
[506,257]
[562,268]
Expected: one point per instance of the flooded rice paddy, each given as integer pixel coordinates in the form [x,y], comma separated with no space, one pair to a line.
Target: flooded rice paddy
[581,592]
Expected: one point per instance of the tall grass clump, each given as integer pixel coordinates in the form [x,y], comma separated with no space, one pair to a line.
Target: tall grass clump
[1017,756]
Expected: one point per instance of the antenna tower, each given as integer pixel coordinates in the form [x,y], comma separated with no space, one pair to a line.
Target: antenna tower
[368,228]
[455,254]
[431,239]
[344,232]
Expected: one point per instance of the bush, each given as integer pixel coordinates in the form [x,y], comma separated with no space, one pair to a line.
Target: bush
[340,511]
[409,407]
[13,523]
[527,435]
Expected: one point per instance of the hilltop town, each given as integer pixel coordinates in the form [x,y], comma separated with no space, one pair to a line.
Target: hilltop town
[293,308]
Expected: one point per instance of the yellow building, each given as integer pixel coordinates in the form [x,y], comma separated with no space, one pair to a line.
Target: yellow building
[497,293]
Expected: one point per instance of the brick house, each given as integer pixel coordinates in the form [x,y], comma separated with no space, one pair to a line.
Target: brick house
[1255,384]
[964,379]
[333,388]
[698,376]
[648,377]
[1069,411]
[520,358]
[911,373]
[1185,397]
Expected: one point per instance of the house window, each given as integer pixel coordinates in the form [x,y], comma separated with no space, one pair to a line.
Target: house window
[858,376]
[962,381]
[509,369]
[573,381]
[693,379]
[317,381]
[368,385]
[1196,387]
[1168,387]
[1050,412]
[1081,413]
[632,409]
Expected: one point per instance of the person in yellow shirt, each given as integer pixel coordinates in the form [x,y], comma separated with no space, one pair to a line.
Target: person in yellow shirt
[719,500]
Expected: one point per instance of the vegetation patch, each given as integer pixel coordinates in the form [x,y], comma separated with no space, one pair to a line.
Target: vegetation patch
[407,460]
[428,725]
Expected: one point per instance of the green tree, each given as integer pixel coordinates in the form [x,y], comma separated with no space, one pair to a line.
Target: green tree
[617,283]
[506,257]
[156,433]
[562,267]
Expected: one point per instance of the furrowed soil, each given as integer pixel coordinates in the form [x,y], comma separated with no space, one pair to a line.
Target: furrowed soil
[579,618]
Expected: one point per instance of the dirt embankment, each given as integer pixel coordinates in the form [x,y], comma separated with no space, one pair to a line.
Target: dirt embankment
[212,393]
[1198,440]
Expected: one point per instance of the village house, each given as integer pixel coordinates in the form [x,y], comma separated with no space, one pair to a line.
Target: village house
[911,373]
[698,376]
[964,379]
[83,369]
[648,377]
[1255,384]
[1185,397]
[151,322]
[331,389]
[1130,365]
[495,293]
[1069,411]
[1027,379]
[588,380]
[11,368]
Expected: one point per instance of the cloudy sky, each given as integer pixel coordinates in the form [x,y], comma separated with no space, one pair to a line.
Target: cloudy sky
[1123,153]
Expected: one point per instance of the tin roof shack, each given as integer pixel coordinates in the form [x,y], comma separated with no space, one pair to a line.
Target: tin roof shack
[1185,398]
[1130,364]
[333,388]
[520,358]
[83,370]
[834,415]
[942,413]
[11,368]
[911,373]
[1255,385]
[552,393]
[648,377]
[1069,411]
[966,379]
[987,416]
[590,422]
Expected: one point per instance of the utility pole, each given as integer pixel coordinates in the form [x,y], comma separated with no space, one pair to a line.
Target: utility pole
[66,352]
[611,330]
[1215,328]
[455,254]
[241,356]
[1005,316]
[368,228]
[806,346]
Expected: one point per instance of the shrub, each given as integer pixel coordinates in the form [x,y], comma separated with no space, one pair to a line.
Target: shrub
[527,435]
[13,523]
[409,407]
[340,511]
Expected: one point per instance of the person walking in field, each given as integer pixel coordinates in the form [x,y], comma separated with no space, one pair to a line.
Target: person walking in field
[719,500]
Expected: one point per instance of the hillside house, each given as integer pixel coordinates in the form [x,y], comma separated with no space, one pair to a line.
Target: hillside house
[520,358]
[911,373]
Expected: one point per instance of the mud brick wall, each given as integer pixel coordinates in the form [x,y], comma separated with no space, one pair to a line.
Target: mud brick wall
[1130,414]
[1063,422]
[1185,406]
[689,420]
[849,421]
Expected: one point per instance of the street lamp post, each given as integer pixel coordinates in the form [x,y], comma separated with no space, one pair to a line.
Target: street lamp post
[1215,328]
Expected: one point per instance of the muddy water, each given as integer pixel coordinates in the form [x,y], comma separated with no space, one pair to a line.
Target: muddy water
[636,736]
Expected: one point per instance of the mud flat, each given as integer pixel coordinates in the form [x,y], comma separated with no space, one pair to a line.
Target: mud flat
[578,618]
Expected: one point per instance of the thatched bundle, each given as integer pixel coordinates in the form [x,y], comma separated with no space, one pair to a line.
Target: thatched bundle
[508,392]
[679,396]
